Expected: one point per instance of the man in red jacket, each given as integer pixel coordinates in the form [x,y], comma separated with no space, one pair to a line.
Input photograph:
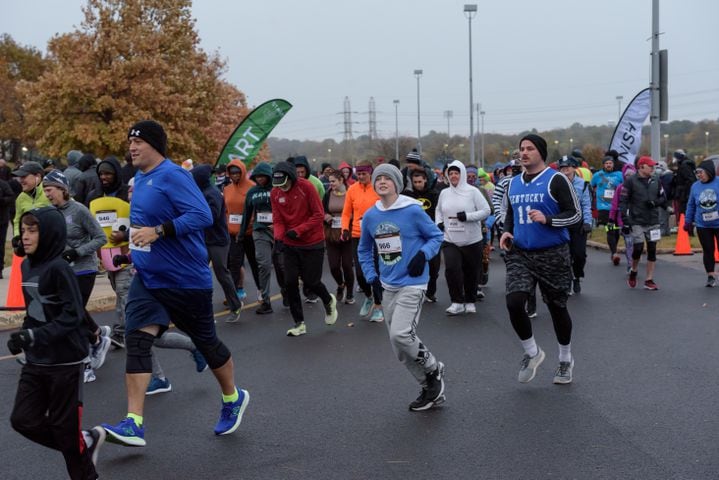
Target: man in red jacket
[298,215]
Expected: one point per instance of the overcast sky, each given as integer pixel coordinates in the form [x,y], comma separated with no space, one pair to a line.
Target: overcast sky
[537,64]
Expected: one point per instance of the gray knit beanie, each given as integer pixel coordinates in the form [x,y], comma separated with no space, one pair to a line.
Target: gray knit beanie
[389,171]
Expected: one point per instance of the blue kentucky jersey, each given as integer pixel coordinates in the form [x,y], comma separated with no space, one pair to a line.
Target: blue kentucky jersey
[535,195]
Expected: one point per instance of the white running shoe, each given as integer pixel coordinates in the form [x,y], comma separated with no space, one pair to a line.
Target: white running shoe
[470,308]
[455,309]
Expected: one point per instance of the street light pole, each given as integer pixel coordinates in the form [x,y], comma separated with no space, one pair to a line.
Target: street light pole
[448,115]
[329,153]
[666,145]
[396,130]
[619,107]
[470,10]
[481,140]
[418,74]
[706,144]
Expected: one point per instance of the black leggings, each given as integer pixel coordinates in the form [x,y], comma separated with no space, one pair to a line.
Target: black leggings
[339,255]
[521,323]
[651,251]
[707,238]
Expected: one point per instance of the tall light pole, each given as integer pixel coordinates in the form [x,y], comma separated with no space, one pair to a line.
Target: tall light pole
[571,146]
[396,130]
[666,145]
[448,115]
[706,144]
[329,154]
[481,140]
[418,74]
[619,107]
[470,10]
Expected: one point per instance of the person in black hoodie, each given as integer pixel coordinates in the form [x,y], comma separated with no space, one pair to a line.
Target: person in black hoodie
[111,182]
[48,403]
[88,179]
[217,238]
[428,197]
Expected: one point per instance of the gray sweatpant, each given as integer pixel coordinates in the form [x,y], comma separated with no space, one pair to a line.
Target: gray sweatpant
[401,312]
[169,340]
[218,257]
[264,242]
[120,283]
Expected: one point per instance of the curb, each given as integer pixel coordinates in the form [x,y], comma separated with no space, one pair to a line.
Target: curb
[10,320]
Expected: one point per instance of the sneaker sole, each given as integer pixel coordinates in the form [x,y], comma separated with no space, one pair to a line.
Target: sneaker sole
[159,390]
[243,407]
[113,437]
[101,436]
[331,319]
[534,370]
[100,358]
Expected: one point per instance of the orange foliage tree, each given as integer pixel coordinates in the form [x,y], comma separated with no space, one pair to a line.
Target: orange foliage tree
[132,60]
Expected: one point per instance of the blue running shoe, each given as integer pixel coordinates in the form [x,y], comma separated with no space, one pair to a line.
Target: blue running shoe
[231,414]
[125,433]
[200,362]
[158,385]
[241,294]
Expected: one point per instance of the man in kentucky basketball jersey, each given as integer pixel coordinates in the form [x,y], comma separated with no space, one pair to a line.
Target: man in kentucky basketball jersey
[541,204]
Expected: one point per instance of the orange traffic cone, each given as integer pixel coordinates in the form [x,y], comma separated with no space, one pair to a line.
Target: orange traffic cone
[683,247]
[14,291]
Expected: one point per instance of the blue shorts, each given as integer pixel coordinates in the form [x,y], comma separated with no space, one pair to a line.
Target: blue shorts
[189,309]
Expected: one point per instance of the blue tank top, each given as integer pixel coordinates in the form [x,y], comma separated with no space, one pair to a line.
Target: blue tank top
[535,195]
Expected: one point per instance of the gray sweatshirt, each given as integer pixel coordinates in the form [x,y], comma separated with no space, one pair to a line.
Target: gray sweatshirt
[84,235]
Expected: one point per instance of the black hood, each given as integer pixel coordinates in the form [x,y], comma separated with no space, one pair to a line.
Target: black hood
[86,161]
[202,174]
[117,183]
[709,167]
[302,160]
[53,234]
[288,168]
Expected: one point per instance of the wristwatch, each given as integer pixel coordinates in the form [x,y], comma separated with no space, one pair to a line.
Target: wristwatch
[160,231]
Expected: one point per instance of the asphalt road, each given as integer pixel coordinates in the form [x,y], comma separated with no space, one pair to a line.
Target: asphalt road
[333,403]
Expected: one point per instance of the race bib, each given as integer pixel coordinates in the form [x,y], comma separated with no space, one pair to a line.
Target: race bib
[336,222]
[144,248]
[655,235]
[609,194]
[709,216]
[106,218]
[264,217]
[454,225]
[388,244]
[235,219]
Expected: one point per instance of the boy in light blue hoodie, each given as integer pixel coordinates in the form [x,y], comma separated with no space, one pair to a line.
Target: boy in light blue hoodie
[405,238]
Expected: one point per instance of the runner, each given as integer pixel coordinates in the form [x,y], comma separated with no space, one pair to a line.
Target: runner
[339,252]
[541,204]
[605,183]
[173,281]
[405,238]
[297,214]
[703,211]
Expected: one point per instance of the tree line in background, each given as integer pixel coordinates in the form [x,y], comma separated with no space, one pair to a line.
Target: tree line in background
[138,59]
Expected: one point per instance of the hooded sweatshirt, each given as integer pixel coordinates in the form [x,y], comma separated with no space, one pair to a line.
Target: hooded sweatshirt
[398,233]
[462,198]
[216,234]
[88,179]
[115,189]
[258,208]
[351,180]
[235,194]
[702,208]
[316,182]
[84,235]
[27,201]
[55,315]
[299,209]
[614,216]
[358,200]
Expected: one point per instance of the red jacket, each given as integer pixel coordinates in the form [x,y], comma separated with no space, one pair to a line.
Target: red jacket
[299,209]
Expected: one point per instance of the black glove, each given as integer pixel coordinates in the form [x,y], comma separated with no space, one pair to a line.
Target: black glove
[587,228]
[688,227]
[345,237]
[651,204]
[17,246]
[416,265]
[19,341]
[70,255]
[626,229]
[377,288]
[291,234]
[440,225]
[118,260]
[462,216]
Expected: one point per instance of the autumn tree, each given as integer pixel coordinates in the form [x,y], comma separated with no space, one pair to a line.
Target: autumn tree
[132,60]
[17,64]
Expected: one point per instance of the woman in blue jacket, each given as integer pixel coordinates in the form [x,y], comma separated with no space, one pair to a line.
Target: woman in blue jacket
[703,212]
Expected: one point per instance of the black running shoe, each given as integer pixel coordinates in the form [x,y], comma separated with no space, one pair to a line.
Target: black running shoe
[433,393]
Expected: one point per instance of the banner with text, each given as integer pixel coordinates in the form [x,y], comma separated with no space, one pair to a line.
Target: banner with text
[627,137]
[246,140]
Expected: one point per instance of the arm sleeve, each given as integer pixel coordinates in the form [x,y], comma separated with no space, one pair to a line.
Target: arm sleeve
[482,208]
[624,197]
[278,219]
[317,213]
[247,215]
[563,192]
[508,215]
[347,209]
[438,215]
[365,253]
[497,195]
[691,208]
[586,202]
[431,233]
[95,231]
[187,199]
